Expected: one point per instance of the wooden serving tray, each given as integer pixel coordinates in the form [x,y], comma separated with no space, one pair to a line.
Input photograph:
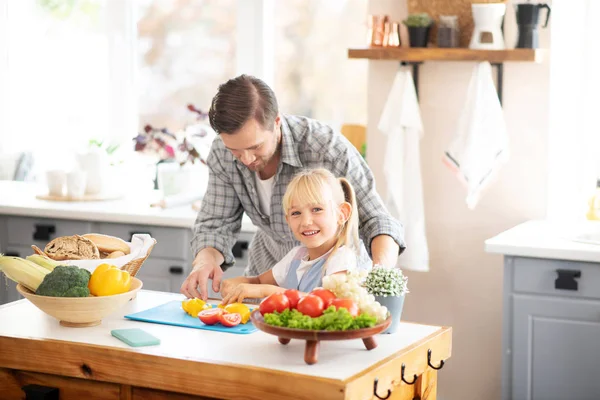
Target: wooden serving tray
[311,351]
[86,197]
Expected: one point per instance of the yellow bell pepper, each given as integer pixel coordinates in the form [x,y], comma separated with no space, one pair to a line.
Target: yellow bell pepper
[107,280]
[239,308]
[194,306]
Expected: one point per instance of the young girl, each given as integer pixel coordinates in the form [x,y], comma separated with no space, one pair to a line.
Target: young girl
[321,212]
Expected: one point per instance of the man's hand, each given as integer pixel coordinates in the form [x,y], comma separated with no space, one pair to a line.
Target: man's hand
[206,266]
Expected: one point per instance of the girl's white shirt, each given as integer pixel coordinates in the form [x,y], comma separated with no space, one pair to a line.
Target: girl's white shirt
[344,259]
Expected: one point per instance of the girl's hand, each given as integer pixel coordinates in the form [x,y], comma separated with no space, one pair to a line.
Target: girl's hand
[240,292]
[226,287]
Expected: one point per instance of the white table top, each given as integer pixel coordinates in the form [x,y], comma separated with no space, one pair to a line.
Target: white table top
[577,241]
[18,198]
[337,359]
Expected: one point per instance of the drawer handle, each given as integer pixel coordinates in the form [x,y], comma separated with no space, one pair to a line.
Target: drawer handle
[238,248]
[39,392]
[177,270]
[43,232]
[566,279]
[137,233]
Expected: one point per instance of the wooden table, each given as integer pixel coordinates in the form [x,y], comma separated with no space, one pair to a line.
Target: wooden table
[198,364]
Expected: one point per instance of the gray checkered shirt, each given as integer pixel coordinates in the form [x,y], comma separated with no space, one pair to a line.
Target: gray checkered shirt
[306,143]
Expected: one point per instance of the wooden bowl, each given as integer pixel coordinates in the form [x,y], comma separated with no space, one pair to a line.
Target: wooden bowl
[81,311]
[312,337]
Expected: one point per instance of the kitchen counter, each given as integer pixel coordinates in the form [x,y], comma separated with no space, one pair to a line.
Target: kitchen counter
[34,348]
[18,198]
[551,309]
[577,241]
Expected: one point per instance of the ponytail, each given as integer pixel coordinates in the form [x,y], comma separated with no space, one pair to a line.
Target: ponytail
[348,231]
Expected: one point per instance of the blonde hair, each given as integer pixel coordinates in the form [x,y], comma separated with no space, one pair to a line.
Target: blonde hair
[307,188]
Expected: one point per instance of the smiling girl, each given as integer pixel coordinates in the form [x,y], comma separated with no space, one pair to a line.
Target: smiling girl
[321,212]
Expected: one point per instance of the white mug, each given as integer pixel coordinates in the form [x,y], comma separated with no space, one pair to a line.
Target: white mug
[56,180]
[76,181]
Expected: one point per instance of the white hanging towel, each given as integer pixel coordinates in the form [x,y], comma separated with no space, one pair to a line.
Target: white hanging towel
[401,123]
[480,146]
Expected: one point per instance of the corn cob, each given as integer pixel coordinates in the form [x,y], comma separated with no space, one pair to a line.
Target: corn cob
[22,271]
[44,262]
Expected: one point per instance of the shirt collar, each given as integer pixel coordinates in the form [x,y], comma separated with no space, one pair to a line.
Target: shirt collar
[289,149]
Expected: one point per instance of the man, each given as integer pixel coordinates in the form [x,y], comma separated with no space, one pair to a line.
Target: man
[251,162]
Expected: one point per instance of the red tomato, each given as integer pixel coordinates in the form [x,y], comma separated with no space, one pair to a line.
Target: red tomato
[274,302]
[326,295]
[311,305]
[230,319]
[293,296]
[210,316]
[348,304]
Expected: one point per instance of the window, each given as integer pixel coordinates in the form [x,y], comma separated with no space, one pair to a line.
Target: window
[574,139]
[313,75]
[185,50]
[72,71]
[57,86]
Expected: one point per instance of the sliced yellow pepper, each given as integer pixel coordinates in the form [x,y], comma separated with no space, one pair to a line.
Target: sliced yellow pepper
[194,306]
[108,280]
[239,308]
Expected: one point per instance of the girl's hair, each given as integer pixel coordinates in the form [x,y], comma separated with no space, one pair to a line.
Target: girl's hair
[307,188]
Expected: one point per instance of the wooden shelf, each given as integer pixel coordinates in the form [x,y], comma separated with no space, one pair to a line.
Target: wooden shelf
[446,54]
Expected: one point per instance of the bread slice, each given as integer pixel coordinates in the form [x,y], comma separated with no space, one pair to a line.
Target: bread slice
[108,244]
[72,248]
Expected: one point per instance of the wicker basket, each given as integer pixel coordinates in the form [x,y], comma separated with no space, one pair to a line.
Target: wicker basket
[134,266]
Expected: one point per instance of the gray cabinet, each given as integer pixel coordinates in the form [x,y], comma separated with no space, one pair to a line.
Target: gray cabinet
[165,270]
[551,332]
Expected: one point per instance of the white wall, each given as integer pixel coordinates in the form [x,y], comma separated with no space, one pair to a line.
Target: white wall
[464,287]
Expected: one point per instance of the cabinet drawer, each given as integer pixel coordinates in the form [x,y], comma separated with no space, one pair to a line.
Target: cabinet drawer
[12,381]
[557,277]
[39,231]
[170,242]
[163,275]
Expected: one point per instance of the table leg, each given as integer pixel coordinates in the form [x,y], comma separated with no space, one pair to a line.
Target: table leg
[311,352]
[283,340]
[370,342]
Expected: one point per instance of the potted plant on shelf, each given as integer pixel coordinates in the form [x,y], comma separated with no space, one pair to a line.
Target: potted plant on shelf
[418,26]
[389,287]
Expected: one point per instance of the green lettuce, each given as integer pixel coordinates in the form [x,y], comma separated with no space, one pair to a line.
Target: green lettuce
[331,320]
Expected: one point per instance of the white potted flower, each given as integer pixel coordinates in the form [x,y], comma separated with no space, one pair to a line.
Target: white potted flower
[389,286]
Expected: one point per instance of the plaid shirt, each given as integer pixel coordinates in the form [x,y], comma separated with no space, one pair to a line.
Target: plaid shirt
[306,143]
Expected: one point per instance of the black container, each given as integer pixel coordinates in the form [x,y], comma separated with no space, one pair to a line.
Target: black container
[528,16]
[418,36]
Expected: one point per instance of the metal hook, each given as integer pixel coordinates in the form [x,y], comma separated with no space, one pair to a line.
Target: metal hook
[389,393]
[404,380]
[429,361]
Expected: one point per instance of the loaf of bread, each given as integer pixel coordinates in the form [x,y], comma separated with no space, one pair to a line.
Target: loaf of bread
[72,248]
[108,244]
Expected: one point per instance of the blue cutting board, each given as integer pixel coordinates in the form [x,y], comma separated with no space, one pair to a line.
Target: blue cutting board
[171,313]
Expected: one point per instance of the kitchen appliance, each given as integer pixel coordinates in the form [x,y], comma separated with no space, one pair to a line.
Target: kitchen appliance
[487,32]
[528,15]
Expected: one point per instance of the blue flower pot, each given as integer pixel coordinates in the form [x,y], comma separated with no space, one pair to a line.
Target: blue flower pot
[394,305]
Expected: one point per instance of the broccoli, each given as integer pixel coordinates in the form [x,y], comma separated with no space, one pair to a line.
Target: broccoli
[65,281]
